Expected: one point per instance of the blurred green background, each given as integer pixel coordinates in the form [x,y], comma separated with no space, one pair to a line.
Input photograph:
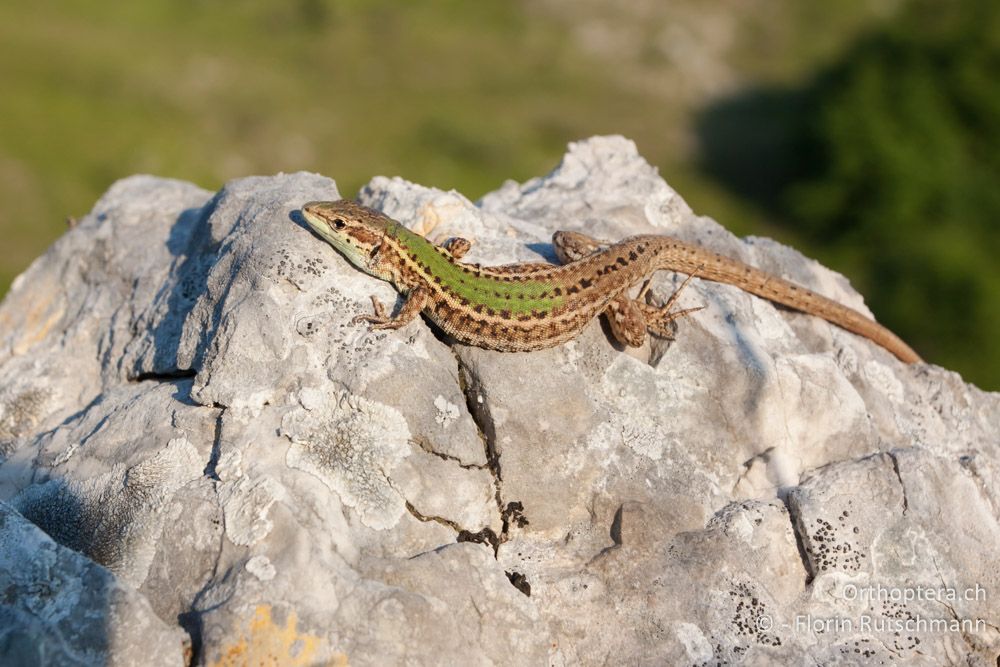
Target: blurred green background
[867,134]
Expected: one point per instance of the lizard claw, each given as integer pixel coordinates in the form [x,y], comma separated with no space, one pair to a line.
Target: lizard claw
[415,301]
[379,308]
[658,324]
[377,319]
[658,318]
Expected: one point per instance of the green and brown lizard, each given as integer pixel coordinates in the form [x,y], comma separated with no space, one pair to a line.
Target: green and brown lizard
[530,306]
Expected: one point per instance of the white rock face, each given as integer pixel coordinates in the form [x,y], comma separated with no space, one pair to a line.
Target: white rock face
[184,401]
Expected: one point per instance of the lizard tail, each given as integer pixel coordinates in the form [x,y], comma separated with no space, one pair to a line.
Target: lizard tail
[675,255]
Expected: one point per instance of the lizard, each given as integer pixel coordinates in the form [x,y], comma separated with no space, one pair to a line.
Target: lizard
[535,305]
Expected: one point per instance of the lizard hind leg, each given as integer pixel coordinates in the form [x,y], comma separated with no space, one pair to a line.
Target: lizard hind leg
[627,321]
[572,246]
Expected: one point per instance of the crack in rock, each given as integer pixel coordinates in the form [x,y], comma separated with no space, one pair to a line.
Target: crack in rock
[902,486]
[427,518]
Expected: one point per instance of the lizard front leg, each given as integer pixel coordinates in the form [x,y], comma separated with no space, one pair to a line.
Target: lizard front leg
[414,303]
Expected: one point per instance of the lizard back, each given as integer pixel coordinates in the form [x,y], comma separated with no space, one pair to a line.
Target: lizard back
[514,307]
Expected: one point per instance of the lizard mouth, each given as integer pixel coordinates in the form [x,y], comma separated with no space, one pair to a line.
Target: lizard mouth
[321,225]
[315,219]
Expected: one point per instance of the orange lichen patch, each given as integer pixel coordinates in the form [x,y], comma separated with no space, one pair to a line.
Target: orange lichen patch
[264,642]
[33,313]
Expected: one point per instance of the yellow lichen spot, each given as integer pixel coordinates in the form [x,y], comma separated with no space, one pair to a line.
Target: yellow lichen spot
[264,642]
[32,314]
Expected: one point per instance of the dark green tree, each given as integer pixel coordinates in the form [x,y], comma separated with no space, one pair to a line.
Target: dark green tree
[898,171]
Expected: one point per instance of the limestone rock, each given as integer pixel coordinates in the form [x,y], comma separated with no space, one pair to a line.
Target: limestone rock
[185,402]
[61,608]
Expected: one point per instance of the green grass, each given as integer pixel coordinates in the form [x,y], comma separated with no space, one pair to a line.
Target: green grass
[423,91]
[453,94]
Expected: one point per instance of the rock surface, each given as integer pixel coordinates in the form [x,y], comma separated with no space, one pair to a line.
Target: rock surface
[184,401]
[61,608]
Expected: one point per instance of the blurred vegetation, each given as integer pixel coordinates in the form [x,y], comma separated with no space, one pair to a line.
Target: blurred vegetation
[904,187]
[880,165]
[887,165]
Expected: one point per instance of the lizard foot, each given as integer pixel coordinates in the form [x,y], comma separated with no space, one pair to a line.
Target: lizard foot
[657,319]
[378,320]
[415,301]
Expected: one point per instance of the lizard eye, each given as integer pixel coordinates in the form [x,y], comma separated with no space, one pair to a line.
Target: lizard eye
[338,223]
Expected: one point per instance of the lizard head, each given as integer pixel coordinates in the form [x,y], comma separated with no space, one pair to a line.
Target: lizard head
[355,230]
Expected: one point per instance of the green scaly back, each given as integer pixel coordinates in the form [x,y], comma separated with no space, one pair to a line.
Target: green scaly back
[520,296]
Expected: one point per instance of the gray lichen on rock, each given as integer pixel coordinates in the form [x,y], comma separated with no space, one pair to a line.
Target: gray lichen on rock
[19,414]
[246,503]
[114,517]
[352,445]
